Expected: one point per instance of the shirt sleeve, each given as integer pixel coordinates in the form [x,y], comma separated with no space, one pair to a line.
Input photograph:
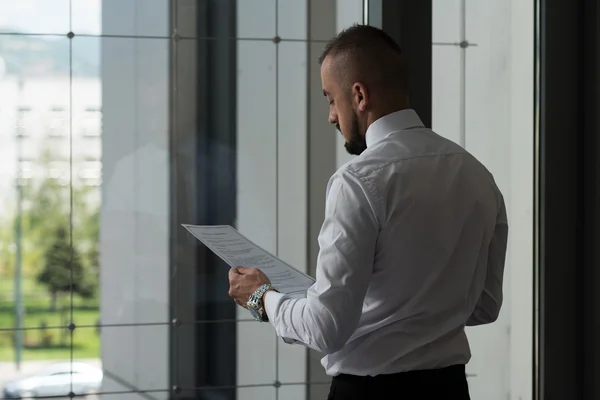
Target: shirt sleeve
[488,306]
[329,315]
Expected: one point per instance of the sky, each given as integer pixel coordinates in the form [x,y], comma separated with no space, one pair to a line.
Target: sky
[51,16]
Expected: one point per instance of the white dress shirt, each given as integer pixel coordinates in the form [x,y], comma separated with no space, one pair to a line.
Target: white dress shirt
[412,249]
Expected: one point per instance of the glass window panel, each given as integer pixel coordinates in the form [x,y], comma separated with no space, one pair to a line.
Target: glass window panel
[347,13]
[202,358]
[120,177]
[446,21]
[240,393]
[25,122]
[140,18]
[33,206]
[291,363]
[133,395]
[187,18]
[292,18]
[307,390]
[132,357]
[57,122]
[257,191]
[257,176]
[482,21]
[36,314]
[35,16]
[293,392]
[292,168]
[256,341]
[447,118]
[486,122]
[118,88]
[45,369]
[45,342]
[495,79]
[234,19]
[256,19]
[292,149]
[316,373]
[87,178]
[91,122]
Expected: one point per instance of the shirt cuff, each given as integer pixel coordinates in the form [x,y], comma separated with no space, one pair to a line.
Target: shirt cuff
[272,300]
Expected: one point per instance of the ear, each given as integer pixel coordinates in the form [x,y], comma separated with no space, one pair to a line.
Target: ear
[360,96]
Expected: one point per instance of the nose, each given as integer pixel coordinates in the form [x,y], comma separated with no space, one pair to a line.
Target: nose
[332,119]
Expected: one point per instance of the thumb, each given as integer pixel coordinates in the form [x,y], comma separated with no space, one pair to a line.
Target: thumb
[241,269]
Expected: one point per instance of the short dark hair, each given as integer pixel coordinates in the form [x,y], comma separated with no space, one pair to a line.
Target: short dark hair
[366,52]
[359,37]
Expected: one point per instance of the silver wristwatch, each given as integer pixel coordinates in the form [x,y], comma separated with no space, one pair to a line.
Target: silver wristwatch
[255,303]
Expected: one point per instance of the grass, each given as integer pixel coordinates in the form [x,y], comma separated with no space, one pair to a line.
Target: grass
[55,341]
[7,286]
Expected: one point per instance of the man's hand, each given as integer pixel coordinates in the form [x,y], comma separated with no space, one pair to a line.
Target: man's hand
[244,282]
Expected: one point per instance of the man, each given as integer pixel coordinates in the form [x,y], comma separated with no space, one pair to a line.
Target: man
[412,247]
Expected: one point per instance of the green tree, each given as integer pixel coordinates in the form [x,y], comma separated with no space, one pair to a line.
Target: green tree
[47,205]
[7,257]
[86,229]
[45,208]
[86,214]
[63,270]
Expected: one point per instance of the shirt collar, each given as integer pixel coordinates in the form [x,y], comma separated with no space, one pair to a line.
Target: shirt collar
[394,122]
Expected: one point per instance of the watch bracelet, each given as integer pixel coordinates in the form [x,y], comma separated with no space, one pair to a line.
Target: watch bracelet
[260,292]
[257,296]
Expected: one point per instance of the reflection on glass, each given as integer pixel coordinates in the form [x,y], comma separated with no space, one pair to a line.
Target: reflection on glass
[131,358]
[257,19]
[121,17]
[85,168]
[85,195]
[259,392]
[57,122]
[91,124]
[57,379]
[35,250]
[25,122]
[35,16]
[120,169]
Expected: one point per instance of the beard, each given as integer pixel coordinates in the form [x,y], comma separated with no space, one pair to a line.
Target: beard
[357,142]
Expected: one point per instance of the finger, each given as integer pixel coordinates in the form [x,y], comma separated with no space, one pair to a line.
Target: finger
[240,303]
[233,273]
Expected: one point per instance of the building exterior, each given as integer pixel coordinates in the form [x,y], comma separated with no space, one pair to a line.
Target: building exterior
[37,119]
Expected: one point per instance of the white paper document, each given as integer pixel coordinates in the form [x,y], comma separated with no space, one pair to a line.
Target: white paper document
[237,250]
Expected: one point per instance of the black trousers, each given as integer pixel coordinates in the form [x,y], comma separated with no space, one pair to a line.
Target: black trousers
[448,383]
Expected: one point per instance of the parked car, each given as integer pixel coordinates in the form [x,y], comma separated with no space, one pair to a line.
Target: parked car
[56,380]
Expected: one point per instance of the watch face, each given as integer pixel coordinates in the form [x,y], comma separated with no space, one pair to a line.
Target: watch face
[254,313]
